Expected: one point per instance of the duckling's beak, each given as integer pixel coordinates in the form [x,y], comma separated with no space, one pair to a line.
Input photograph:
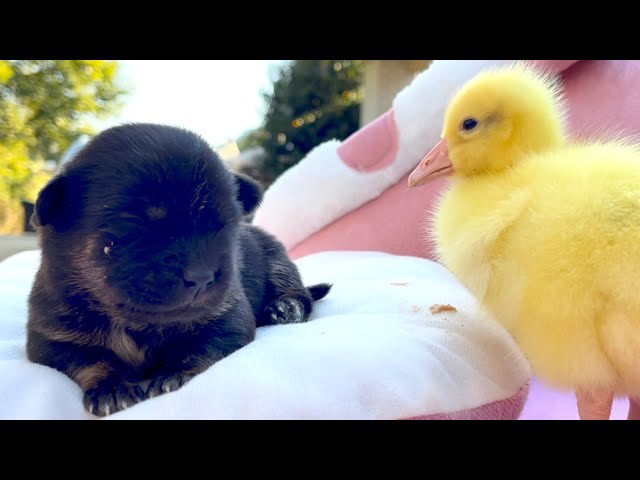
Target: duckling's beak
[435,164]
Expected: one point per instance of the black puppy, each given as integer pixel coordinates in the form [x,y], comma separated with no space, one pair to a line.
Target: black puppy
[148,271]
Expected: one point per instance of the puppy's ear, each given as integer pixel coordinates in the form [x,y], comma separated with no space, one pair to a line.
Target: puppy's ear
[249,193]
[50,203]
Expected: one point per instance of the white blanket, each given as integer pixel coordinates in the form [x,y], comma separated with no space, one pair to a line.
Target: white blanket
[372,351]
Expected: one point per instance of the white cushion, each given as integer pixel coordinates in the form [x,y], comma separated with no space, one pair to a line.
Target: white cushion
[372,351]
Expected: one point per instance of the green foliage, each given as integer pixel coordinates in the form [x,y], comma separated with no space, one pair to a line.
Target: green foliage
[44,106]
[250,139]
[47,104]
[312,101]
[22,179]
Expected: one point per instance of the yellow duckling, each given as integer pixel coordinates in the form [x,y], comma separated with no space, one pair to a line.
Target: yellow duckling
[544,231]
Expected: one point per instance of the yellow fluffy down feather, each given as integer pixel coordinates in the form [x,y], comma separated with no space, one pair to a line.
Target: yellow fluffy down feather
[544,231]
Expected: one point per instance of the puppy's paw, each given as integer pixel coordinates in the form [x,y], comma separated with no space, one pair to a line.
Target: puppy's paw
[166,384]
[286,310]
[103,401]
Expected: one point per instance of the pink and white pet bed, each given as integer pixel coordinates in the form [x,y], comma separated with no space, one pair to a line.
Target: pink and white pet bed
[352,196]
[372,351]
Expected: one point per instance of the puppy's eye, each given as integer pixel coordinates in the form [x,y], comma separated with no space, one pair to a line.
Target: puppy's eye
[108,248]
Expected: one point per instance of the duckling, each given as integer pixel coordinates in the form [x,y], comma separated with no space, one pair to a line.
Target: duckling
[544,231]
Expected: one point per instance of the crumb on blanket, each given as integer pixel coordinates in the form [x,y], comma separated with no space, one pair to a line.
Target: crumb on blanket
[442,308]
[415,309]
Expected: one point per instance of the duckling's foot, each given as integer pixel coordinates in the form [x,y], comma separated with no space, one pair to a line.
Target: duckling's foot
[634,408]
[594,405]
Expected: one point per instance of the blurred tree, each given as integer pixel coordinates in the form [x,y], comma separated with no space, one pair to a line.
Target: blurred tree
[20,180]
[44,106]
[312,101]
[250,139]
[47,104]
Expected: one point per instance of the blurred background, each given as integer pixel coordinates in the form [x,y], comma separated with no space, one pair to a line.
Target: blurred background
[262,116]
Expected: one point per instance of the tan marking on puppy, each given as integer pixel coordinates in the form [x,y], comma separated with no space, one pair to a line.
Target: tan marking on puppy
[83,267]
[156,213]
[121,343]
[117,340]
[89,377]
[91,244]
[68,336]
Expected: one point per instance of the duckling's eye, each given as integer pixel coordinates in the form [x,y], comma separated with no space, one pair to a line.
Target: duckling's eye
[469,124]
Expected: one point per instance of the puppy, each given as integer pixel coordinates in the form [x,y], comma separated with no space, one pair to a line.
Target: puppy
[149,273]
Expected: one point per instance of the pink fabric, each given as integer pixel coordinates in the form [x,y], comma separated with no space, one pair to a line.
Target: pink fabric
[553,66]
[373,147]
[604,96]
[506,409]
[393,223]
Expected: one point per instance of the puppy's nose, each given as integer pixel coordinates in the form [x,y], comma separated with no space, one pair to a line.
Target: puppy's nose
[197,279]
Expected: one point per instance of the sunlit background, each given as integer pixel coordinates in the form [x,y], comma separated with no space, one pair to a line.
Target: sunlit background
[219,99]
[261,116]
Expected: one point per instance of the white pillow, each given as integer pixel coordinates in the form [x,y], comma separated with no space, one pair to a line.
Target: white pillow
[372,351]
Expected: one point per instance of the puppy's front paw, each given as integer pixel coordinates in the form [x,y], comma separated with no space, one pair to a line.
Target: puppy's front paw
[103,401]
[286,310]
[166,384]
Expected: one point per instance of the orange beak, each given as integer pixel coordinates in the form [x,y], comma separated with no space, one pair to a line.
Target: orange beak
[434,165]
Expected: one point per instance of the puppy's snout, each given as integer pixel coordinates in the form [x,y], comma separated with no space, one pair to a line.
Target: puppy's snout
[198,279]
